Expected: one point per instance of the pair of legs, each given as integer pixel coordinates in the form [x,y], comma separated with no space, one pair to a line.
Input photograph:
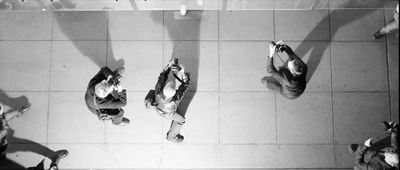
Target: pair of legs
[116,115]
[176,125]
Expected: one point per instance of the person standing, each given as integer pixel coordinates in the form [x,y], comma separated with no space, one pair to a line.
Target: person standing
[288,80]
[385,159]
[167,97]
[105,96]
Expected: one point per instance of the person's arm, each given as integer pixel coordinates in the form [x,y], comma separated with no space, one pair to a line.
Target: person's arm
[180,92]
[289,52]
[112,103]
[359,158]
[272,70]
[162,78]
[394,141]
[3,133]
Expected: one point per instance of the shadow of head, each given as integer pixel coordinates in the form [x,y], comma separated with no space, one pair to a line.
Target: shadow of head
[13,102]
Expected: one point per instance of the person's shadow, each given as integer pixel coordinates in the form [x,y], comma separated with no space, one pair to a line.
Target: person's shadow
[77,25]
[187,52]
[15,104]
[318,51]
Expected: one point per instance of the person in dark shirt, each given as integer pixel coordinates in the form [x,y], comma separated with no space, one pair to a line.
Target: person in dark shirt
[105,96]
[167,98]
[290,79]
[384,159]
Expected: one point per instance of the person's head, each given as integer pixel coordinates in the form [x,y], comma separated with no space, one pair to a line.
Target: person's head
[392,158]
[103,89]
[295,67]
[169,89]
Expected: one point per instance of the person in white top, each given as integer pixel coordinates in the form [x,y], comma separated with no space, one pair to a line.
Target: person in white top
[389,28]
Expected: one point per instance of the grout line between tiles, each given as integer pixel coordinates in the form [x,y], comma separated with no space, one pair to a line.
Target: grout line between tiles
[106,56]
[332,93]
[48,93]
[388,70]
[219,82]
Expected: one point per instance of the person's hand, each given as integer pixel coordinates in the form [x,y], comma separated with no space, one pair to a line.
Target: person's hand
[118,87]
[272,48]
[367,143]
[176,68]
[186,78]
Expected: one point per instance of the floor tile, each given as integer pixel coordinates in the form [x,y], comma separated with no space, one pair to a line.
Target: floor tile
[355,4]
[145,127]
[301,4]
[26,69]
[135,25]
[344,159]
[23,156]
[71,70]
[271,156]
[67,107]
[200,59]
[244,113]
[346,24]
[317,57]
[393,57]
[201,156]
[202,118]
[34,120]
[80,25]
[143,62]
[346,67]
[357,116]
[248,4]
[314,25]
[243,63]
[246,25]
[196,25]
[293,119]
[32,25]
[140,156]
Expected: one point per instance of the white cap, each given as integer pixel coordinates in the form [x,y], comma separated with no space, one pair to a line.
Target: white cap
[169,89]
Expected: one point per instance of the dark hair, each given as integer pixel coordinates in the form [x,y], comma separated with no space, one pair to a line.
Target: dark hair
[297,66]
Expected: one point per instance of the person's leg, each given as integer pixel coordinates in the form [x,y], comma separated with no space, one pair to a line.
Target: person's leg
[175,128]
[272,84]
[394,25]
[117,118]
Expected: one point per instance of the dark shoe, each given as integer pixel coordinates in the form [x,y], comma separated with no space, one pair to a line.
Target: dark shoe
[125,121]
[60,154]
[24,108]
[390,126]
[378,35]
[177,139]
[352,148]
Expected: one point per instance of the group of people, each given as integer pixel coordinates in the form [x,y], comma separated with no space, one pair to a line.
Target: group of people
[105,97]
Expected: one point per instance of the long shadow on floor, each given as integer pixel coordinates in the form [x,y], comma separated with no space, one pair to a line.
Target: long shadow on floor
[186,51]
[317,51]
[77,25]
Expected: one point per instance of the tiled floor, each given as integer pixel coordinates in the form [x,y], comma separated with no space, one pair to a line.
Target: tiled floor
[233,121]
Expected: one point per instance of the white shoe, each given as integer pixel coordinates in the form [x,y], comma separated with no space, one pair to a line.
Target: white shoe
[183,10]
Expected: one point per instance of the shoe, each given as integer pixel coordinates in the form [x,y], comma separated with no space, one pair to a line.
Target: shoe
[177,139]
[390,126]
[264,80]
[60,155]
[378,35]
[119,71]
[24,108]
[125,121]
[352,148]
